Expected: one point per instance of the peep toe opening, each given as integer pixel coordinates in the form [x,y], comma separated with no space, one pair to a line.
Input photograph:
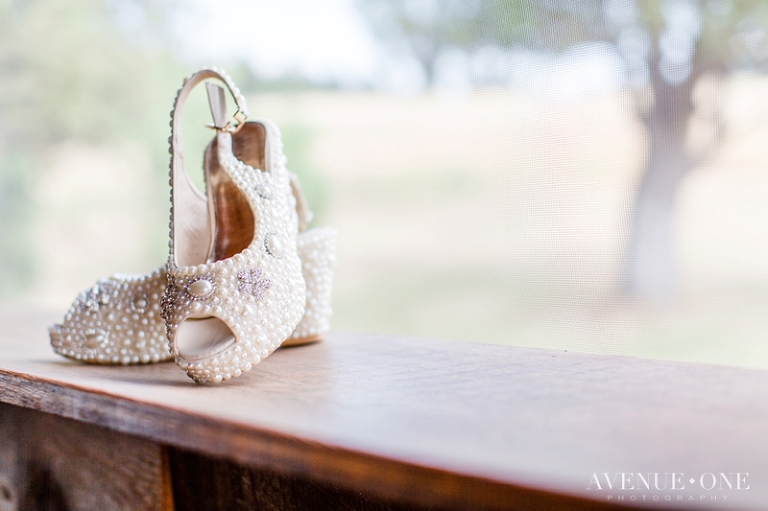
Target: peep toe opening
[199,338]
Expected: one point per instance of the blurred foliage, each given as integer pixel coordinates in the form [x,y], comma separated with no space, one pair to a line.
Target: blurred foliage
[297,139]
[86,70]
[725,32]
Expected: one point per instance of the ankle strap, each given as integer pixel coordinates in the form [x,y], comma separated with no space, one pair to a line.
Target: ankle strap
[191,82]
[220,123]
[193,227]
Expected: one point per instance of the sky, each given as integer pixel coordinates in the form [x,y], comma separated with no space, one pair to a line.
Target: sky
[329,42]
[324,41]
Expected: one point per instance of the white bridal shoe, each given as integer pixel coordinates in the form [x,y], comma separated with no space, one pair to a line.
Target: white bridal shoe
[234,301]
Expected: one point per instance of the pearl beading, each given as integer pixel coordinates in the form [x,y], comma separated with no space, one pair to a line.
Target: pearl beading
[120,315]
[260,322]
[117,321]
[317,250]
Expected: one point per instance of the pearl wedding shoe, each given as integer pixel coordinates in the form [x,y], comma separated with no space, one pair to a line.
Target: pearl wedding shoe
[118,320]
[227,309]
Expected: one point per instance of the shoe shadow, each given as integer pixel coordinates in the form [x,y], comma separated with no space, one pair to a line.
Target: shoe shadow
[271,371]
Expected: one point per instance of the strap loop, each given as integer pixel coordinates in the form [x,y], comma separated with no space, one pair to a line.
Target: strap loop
[191,236]
[190,82]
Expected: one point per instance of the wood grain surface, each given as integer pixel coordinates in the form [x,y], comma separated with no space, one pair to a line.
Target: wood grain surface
[54,464]
[427,422]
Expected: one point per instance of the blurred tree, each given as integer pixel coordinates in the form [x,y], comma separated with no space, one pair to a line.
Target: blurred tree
[670,48]
[424,28]
[89,70]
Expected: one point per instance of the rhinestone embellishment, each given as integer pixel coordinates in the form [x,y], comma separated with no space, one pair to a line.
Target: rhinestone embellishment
[263,190]
[95,297]
[253,283]
[116,321]
[140,303]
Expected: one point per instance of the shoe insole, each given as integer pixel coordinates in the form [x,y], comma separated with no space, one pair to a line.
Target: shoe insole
[232,215]
[202,337]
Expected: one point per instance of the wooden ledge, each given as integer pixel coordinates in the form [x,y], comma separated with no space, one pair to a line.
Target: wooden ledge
[428,422]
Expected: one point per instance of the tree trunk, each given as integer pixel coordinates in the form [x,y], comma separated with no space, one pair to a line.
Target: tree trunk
[651,271]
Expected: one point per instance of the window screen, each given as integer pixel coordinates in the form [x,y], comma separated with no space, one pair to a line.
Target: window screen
[586,176]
